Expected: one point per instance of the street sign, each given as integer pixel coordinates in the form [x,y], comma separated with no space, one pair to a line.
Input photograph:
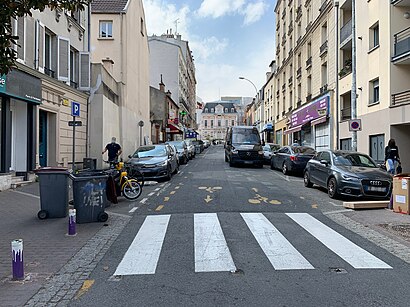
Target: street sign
[355,125]
[75,108]
[77,123]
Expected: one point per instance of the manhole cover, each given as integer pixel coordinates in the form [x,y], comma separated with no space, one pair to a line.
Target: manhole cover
[337,270]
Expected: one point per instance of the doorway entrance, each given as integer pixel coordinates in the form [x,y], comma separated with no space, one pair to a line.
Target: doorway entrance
[43,125]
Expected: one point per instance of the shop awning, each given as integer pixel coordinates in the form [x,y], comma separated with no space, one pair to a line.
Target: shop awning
[319,120]
[174,128]
[295,129]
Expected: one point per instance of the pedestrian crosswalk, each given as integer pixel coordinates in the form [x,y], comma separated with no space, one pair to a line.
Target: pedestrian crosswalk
[212,252]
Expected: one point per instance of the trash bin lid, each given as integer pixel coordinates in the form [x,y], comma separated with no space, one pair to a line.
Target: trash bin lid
[51,169]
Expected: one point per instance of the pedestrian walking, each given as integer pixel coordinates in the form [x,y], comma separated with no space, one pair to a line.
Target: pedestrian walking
[391,157]
[114,150]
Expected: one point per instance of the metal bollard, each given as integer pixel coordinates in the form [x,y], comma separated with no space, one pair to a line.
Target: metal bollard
[17,254]
[71,222]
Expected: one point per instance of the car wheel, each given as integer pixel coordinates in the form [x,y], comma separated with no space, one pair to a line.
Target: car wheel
[306,180]
[332,188]
[272,167]
[285,169]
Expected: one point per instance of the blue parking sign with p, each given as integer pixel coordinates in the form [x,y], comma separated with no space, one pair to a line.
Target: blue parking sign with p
[75,108]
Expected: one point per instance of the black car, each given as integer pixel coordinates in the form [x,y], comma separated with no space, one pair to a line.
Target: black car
[156,161]
[292,158]
[182,151]
[348,173]
[268,150]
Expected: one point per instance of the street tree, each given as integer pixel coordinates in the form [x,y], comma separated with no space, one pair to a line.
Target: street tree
[12,9]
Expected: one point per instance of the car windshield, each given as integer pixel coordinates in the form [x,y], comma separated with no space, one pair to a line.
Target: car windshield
[267,148]
[274,147]
[246,136]
[150,151]
[178,145]
[303,150]
[354,160]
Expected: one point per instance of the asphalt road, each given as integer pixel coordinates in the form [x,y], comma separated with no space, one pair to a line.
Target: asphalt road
[221,236]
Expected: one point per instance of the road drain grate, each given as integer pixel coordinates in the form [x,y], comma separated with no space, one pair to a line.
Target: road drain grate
[337,270]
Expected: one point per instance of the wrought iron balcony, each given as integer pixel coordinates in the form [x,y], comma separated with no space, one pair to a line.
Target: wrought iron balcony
[283,87]
[308,97]
[309,62]
[299,72]
[307,2]
[277,93]
[323,89]
[283,39]
[73,84]
[401,43]
[290,28]
[346,113]
[309,25]
[323,48]
[347,69]
[346,32]
[400,98]
[49,72]
[290,80]
[298,13]
[323,6]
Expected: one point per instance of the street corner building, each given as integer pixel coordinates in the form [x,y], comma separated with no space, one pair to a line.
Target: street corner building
[52,72]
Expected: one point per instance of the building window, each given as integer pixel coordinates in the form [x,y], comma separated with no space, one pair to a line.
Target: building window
[377,147]
[206,123]
[374,36]
[106,29]
[206,110]
[212,110]
[233,123]
[219,123]
[375,95]
[324,74]
[232,110]
[226,123]
[226,110]
[74,68]
[346,144]
[50,52]
[212,123]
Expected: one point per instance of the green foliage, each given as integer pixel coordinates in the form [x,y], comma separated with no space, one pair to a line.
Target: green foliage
[17,8]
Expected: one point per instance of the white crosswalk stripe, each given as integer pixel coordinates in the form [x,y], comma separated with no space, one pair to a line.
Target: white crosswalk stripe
[211,251]
[279,251]
[143,254]
[212,254]
[356,256]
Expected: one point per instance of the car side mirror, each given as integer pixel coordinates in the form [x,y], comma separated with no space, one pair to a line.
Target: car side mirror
[324,162]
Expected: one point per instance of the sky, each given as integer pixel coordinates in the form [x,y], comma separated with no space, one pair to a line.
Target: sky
[228,39]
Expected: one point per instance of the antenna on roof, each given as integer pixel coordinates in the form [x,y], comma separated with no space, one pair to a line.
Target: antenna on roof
[176,25]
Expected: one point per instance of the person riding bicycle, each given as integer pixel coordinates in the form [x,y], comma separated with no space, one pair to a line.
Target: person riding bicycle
[114,150]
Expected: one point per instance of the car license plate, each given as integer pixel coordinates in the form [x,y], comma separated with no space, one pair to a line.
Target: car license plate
[377,189]
[248,162]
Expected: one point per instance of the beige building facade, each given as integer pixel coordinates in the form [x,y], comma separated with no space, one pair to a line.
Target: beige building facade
[216,118]
[305,77]
[119,42]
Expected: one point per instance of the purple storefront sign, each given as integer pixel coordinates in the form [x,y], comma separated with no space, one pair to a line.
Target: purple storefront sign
[311,112]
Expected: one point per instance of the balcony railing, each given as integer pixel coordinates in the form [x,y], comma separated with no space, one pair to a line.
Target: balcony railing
[323,6]
[323,48]
[290,81]
[347,69]
[323,89]
[283,87]
[402,42]
[298,13]
[307,2]
[299,72]
[400,98]
[309,62]
[73,84]
[299,103]
[346,113]
[309,25]
[290,28]
[49,72]
[346,31]
[283,39]
[277,93]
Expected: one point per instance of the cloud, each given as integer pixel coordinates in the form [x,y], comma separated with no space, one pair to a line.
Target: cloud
[207,47]
[254,12]
[218,8]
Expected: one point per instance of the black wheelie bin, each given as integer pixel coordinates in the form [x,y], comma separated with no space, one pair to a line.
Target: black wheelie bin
[53,192]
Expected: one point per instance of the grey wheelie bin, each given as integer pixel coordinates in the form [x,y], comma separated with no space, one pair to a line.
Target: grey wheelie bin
[90,196]
[53,192]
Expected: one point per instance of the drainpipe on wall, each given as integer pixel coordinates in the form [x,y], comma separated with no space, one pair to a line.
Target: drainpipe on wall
[87,130]
[337,75]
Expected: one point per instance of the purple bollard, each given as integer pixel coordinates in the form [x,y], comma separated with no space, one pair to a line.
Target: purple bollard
[71,222]
[17,254]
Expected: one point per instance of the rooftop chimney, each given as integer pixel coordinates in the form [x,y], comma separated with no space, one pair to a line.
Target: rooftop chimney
[162,85]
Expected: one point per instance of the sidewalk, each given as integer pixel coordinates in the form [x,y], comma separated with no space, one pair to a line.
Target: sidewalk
[46,247]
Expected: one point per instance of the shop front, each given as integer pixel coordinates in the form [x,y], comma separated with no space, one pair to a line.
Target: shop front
[280,132]
[268,133]
[173,132]
[310,125]
[20,94]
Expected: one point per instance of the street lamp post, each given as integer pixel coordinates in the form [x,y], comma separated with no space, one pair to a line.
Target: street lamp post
[256,91]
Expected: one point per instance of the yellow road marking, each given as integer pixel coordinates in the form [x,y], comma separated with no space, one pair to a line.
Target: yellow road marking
[275,202]
[159,208]
[172,192]
[208,199]
[176,188]
[166,198]
[314,206]
[254,201]
[202,188]
[255,190]
[87,284]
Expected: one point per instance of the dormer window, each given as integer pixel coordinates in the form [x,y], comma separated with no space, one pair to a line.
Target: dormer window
[232,110]
[212,110]
[206,110]
[226,110]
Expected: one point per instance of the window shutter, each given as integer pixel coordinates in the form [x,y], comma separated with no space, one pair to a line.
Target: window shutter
[30,42]
[84,82]
[20,41]
[40,46]
[63,63]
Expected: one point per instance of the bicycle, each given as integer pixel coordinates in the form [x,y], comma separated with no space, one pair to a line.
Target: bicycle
[134,172]
[129,187]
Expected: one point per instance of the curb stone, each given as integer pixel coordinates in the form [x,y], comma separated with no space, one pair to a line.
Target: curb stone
[63,286]
[399,250]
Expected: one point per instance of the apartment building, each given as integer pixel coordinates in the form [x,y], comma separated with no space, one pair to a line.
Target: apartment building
[171,57]
[269,103]
[305,77]
[53,70]
[216,118]
[383,71]
[120,56]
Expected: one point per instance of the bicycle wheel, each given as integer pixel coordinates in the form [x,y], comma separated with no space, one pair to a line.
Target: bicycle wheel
[134,173]
[131,189]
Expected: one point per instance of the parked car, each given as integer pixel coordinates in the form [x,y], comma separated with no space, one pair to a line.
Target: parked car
[243,145]
[199,146]
[268,150]
[292,158]
[207,143]
[191,148]
[182,151]
[155,161]
[347,173]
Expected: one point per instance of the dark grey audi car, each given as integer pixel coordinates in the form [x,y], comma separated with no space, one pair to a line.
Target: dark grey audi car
[347,173]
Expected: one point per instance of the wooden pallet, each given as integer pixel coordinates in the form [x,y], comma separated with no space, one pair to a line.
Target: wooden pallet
[366,204]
